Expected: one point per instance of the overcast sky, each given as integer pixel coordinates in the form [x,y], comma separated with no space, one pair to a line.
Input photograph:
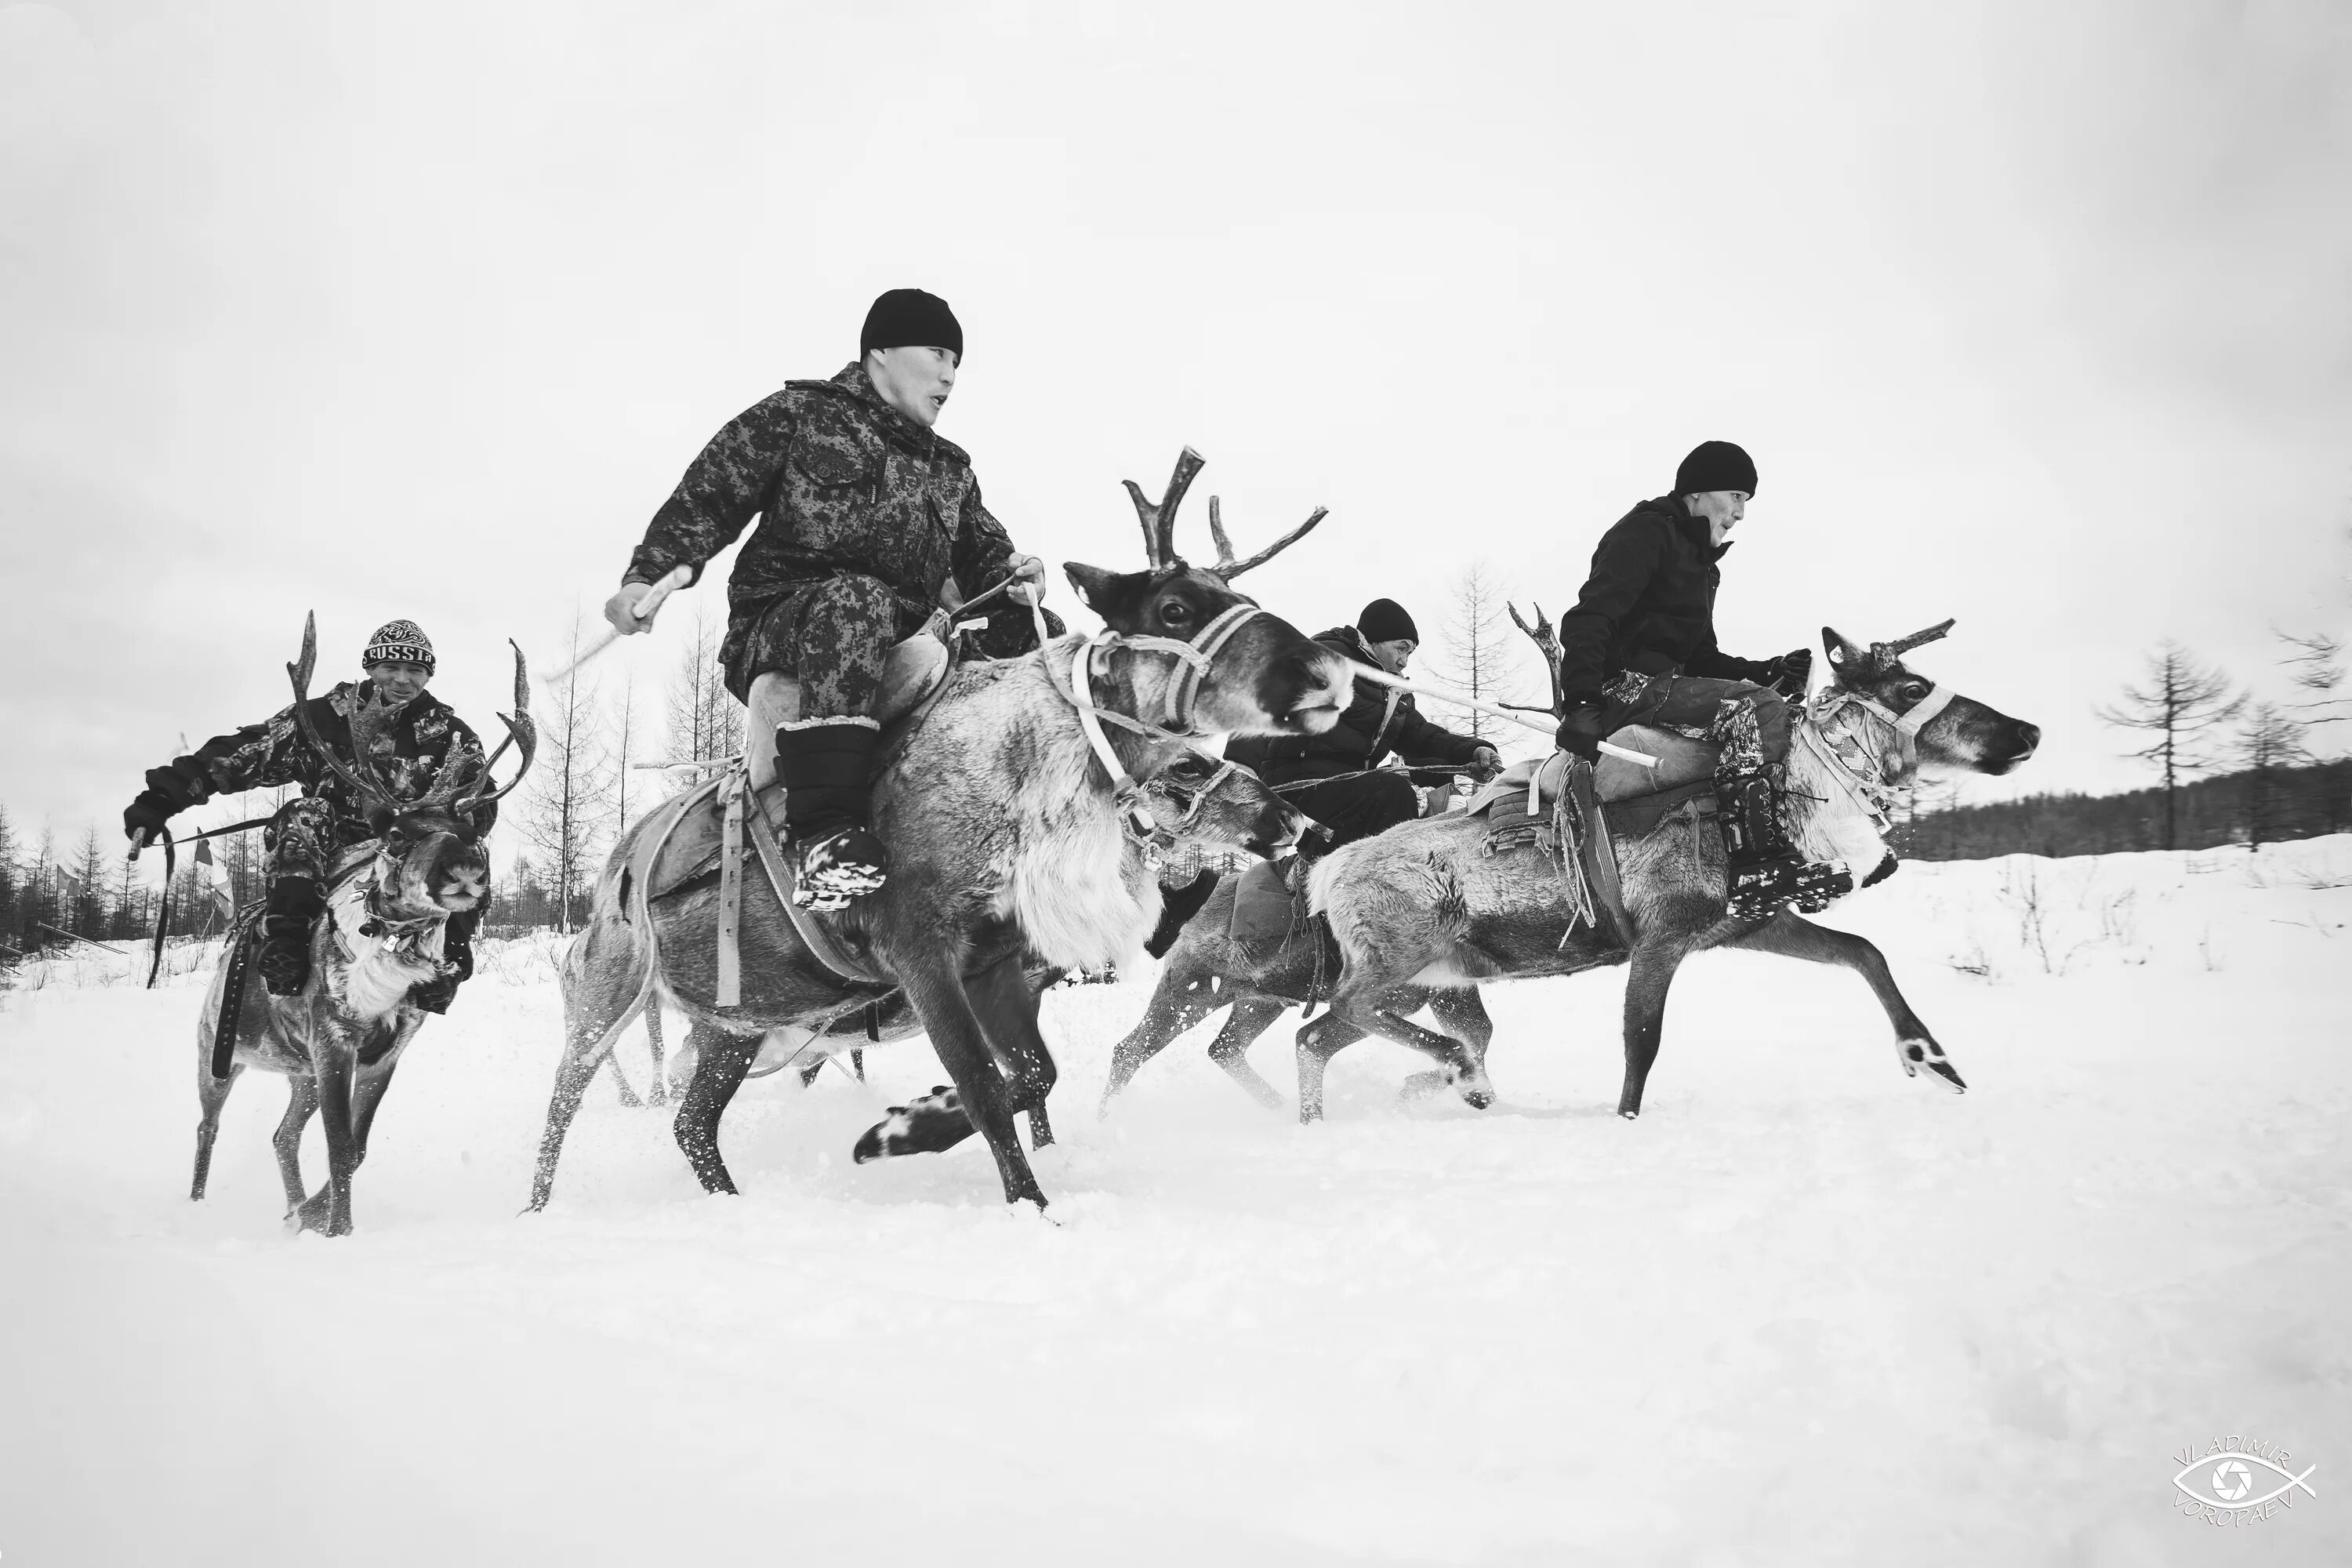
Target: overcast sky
[2035,316]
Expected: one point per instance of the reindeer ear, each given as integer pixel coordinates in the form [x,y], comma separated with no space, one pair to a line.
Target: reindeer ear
[1844,657]
[380,820]
[1097,589]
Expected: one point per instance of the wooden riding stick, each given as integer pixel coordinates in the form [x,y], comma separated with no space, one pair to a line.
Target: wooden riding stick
[1382,678]
[643,610]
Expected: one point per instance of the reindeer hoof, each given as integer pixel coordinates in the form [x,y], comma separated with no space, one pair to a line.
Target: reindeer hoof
[928,1125]
[1476,1090]
[1916,1054]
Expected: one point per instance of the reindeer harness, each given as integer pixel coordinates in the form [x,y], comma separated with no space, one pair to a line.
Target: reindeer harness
[1197,654]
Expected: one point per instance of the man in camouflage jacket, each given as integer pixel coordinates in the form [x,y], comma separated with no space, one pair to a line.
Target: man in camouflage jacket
[411,749]
[868,519]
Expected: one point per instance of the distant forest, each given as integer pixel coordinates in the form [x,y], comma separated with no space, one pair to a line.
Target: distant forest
[2249,807]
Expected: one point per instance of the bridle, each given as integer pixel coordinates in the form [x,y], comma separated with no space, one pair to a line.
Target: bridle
[1854,765]
[1197,654]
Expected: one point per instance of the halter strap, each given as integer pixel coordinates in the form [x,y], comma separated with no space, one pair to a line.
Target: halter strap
[1197,654]
[1861,774]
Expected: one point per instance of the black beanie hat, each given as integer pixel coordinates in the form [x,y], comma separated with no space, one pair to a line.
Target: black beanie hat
[1384,620]
[1716,465]
[908,318]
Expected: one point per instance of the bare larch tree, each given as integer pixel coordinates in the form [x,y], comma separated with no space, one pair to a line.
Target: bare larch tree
[570,799]
[2179,702]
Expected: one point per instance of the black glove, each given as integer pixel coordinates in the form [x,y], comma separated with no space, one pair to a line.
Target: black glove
[149,815]
[1581,731]
[1790,673]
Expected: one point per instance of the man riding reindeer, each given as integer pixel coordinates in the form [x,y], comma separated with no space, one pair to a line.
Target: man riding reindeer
[1639,648]
[415,743]
[867,520]
[1335,777]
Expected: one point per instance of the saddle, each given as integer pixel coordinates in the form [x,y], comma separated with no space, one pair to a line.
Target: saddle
[1578,812]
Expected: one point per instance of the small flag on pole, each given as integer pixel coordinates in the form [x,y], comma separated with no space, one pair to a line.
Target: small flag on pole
[214,876]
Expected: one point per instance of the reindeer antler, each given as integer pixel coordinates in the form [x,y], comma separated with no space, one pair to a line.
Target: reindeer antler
[521,730]
[1227,567]
[1884,654]
[1545,639]
[364,781]
[1160,521]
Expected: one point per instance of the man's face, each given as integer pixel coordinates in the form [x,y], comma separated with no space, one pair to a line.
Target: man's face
[1722,510]
[397,683]
[1394,655]
[914,382]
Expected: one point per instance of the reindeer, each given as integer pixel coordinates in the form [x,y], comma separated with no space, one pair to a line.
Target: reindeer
[340,1038]
[1016,829]
[1206,809]
[1421,904]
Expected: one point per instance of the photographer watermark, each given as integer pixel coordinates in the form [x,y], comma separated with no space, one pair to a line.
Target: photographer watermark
[2237,1482]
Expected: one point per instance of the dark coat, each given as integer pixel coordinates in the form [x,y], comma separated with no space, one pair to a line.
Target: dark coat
[842,483]
[409,755]
[1649,605]
[1379,719]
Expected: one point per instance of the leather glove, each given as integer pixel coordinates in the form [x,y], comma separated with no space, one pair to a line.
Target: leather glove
[1581,731]
[146,816]
[1791,673]
[1485,763]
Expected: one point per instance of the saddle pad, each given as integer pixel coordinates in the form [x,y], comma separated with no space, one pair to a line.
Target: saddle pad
[1681,760]
[1265,909]
[1505,794]
[683,839]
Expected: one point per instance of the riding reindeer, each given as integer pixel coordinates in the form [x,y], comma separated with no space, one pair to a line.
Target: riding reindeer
[339,1038]
[1447,899]
[1016,829]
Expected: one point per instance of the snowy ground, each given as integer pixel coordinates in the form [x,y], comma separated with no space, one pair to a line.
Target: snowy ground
[1806,1310]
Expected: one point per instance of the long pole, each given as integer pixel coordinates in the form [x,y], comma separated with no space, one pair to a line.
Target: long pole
[1382,678]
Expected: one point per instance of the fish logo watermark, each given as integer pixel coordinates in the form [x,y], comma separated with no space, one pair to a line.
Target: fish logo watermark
[2237,1482]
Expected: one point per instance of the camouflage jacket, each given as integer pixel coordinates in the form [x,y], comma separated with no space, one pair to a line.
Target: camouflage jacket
[843,483]
[409,753]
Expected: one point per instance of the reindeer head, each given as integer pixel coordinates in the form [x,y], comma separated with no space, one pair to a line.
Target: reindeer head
[1214,807]
[1963,734]
[432,843]
[1265,677]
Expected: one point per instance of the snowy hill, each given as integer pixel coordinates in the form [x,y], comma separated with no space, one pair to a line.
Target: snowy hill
[1806,1310]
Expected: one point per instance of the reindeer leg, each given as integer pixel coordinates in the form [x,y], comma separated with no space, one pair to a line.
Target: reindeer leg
[937,992]
[630,1099]
[1653,967]
[1792,936]
[212,1093]
[657,1087]
[301,1104]
[1319,1040]
[719,1071]
[1251,1016]
[328,1210]
[1462,1015]
[1454,1061]
[1182,999]
[1007,1010]
[591,1024]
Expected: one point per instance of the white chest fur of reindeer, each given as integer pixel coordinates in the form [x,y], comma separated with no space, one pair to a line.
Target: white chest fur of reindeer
[375,958]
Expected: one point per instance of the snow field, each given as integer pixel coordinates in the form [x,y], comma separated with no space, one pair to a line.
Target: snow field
[1805,1310]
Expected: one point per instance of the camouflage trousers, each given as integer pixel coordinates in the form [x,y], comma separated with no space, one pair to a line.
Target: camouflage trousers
[832,636]
[302,840]
[1689,702]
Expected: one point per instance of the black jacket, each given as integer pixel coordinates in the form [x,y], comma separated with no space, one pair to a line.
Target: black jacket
[409,754]
[1379,721]
[1649,605]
